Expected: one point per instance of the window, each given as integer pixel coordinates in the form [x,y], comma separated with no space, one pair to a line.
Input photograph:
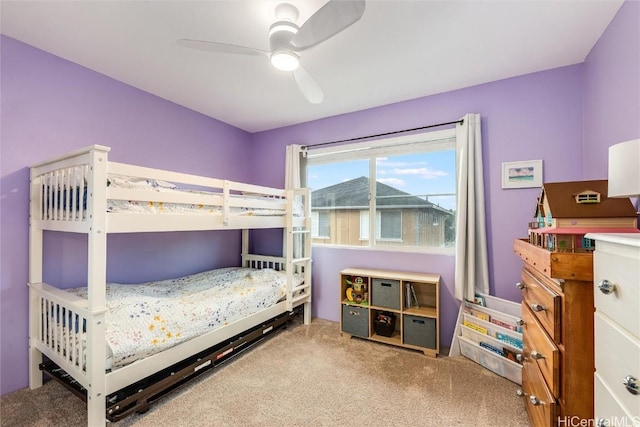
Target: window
[408,184]
[320,224]
[588,197]
[388,225]
[364,225]
[588,244]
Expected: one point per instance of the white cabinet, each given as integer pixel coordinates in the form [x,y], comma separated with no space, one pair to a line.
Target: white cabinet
[617,329]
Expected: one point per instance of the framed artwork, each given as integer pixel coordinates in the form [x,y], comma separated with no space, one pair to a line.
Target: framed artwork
[522,174]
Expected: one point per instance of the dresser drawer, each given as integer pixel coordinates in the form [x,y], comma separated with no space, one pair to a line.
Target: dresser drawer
[544,302]
[540,350]
[617,357]
[539,401]
[608,411]
[623,303]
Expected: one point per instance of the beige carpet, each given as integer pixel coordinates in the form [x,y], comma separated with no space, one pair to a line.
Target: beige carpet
[309,376]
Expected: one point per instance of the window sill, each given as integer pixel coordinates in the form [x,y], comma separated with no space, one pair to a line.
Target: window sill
[449,250]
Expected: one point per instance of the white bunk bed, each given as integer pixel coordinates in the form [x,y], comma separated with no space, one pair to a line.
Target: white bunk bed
[80,193]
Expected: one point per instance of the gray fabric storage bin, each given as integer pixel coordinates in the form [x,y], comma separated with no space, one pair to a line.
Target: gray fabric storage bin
[420,331]
[385,293]
[355,320]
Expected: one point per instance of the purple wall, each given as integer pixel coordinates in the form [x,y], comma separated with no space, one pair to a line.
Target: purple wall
[51,106]
[568,117]
[537,116]
[612,90]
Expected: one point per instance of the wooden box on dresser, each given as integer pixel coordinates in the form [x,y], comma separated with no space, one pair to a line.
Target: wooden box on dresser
[616,266]
[412,298]
[557,316]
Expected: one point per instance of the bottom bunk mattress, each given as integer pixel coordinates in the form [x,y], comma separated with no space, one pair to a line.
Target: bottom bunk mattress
[147,318]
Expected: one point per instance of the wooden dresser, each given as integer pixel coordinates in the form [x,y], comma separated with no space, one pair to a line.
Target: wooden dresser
[617,329]
[557,326]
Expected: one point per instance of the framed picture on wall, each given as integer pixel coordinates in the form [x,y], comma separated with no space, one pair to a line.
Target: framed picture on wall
[523,174]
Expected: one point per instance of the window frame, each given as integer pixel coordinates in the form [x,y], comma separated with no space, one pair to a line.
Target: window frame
[433,141]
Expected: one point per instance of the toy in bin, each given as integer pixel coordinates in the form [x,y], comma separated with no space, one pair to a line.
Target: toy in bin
[357,290]
[384,324]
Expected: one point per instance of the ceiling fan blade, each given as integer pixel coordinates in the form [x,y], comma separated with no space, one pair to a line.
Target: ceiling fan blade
[328,21]
[308,85]
[221,47]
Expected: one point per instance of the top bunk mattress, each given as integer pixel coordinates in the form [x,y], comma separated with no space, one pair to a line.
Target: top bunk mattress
[72,198]
[147,318]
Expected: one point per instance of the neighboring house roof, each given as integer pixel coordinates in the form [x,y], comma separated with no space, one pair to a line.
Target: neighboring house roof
[354,194]
[561,202]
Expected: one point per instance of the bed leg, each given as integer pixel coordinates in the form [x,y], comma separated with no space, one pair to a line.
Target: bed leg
[96,392]
[35,374]
[96,409]
[307,313]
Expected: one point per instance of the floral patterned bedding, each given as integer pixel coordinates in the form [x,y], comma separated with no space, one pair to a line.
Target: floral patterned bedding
[133,206]
[144,319]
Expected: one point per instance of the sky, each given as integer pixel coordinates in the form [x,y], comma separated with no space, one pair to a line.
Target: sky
[418,174]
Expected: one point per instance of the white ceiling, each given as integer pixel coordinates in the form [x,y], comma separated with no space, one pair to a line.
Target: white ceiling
[399,50]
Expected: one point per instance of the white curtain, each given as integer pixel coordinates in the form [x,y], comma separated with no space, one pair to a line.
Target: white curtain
[294,162]
[472,270]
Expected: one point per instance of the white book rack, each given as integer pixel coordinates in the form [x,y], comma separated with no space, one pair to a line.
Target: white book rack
[490,336]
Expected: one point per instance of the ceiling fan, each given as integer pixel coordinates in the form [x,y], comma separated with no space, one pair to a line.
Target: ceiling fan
[287,40]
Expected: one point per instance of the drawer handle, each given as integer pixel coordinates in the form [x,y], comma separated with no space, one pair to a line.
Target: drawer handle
[519,357]
[606,287]
[631,385]
[354,313]
[519,392]
[537,356]
[386,285]
[420,321]
[538,307]
[520,322]
[535,401]
[520,285]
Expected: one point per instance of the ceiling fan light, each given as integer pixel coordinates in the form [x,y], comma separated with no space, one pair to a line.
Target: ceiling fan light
[283,26]
[285,60]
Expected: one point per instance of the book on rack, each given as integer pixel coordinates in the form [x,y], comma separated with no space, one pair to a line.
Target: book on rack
[503,324]
[479,300]
[480,315]
[413,295]
[509,340]
[490,348]
[410,298]
[407,294]
[475,327]
[511,355]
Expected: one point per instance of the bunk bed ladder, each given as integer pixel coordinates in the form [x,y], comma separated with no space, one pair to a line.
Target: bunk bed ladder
[297,241]
[296,259]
